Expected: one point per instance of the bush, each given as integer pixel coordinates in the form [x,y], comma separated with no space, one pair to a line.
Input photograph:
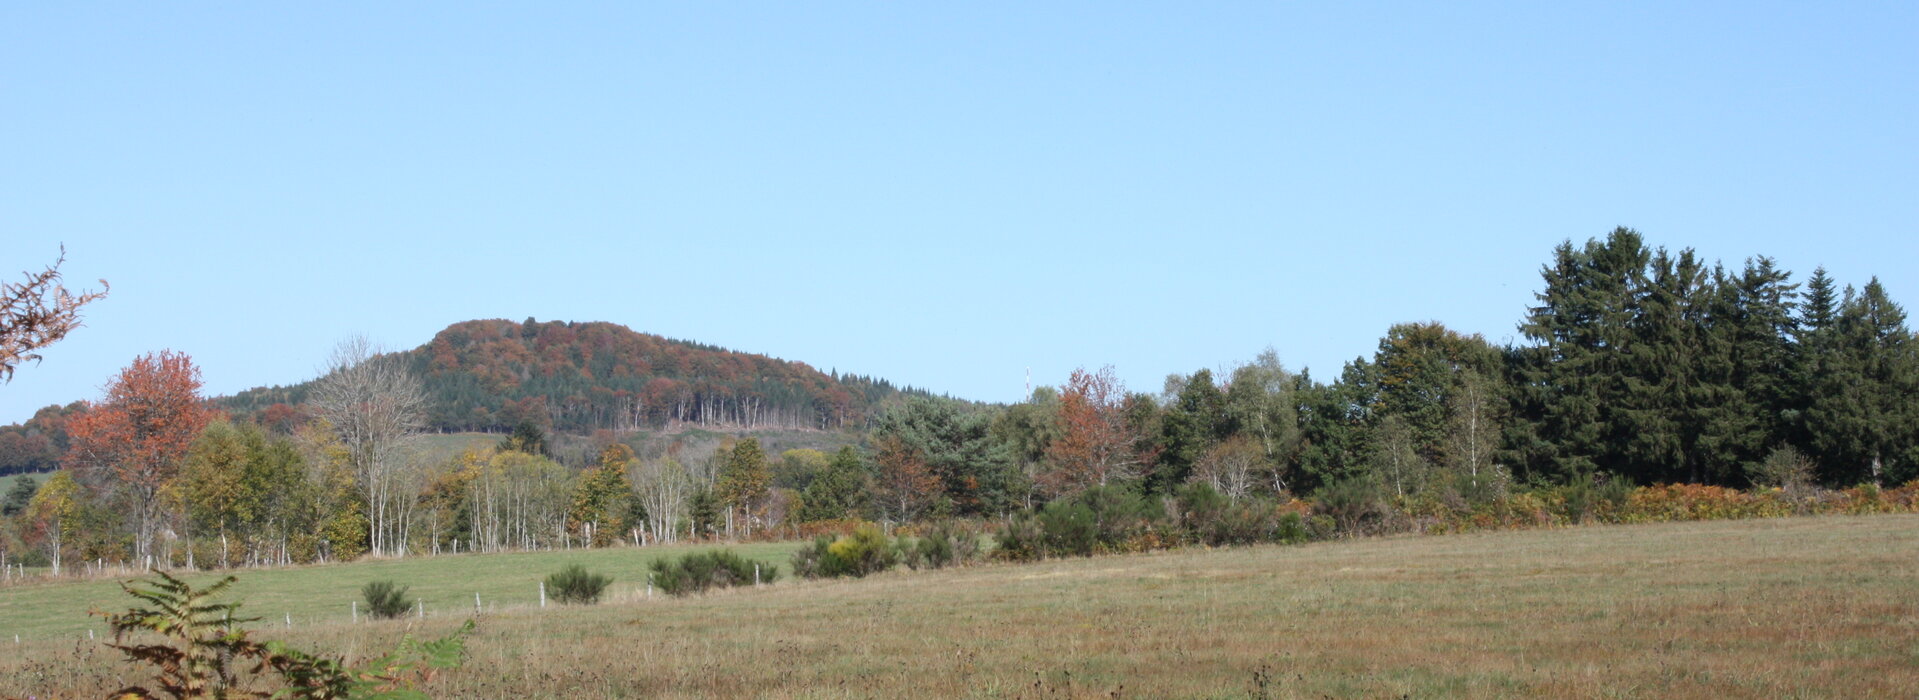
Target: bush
[806,560]
[943,545]
[697,572]
[1785,468]
[385,599]
[574,585]
[1208,518]
[865,551]
[1020,539]
[1067,529]
[1356,504]
[1098,520]
[1292,529]
[1592,497]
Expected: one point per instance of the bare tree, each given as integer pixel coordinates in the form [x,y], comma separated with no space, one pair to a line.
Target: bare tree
[36,313]
[377,407]
[1231,467]
[663,485]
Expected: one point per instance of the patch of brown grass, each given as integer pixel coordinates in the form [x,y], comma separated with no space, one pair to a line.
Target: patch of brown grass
[1810,607]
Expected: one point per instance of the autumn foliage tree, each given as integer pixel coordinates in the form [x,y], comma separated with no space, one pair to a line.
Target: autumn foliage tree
[37,312]
[601,497]
[134,439]
[1095,445]
[903,483]
[745,481]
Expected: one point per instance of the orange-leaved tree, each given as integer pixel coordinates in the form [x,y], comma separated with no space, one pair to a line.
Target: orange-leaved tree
[135,438]
[902,481]
[1095,446]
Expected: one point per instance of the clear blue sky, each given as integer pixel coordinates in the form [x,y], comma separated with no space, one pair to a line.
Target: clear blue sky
[939,194]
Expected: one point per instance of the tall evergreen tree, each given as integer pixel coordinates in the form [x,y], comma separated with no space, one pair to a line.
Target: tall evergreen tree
[1861,419]
[1580,332]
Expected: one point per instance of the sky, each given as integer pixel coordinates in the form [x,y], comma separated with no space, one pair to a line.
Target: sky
[941,194]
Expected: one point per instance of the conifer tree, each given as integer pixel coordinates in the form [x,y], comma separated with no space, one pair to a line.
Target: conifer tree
[839,491]
[1861,419]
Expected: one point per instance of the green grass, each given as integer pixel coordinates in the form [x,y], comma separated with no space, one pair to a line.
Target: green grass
[1790,607]
[6,482]
[322,595]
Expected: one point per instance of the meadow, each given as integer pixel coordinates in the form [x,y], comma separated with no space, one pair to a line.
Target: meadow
[1789,607]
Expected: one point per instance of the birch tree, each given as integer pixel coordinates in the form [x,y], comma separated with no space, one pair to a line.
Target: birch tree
[377,407]
[663,486]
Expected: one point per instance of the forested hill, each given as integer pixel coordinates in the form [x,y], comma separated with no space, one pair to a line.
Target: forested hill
[580,377]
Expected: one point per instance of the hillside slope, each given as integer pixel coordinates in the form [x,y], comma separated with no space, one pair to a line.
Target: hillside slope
[490,375]
[577,377]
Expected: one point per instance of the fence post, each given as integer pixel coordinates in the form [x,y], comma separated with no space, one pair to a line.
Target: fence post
[477,609]
[756,573]
[356,611]
[422,608]
[542,594]
[289,620]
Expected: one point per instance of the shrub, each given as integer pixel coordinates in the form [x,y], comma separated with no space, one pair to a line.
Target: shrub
[1355,504]
[1067,529]
[574,585]
[806,560]
[385,599]
[696,572]
[1785,468]
[1019,539]
[1099,519]
[1592,497]
[1292,529]
[1208,518]
[944,544]
[865,551]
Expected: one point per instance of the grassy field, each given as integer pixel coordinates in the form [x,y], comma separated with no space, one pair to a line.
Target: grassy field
[1805,607]
[324,595]
[6,482]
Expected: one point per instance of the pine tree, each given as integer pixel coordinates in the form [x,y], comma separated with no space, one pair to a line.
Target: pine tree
[1862,420]
[1581,331]
[839,491]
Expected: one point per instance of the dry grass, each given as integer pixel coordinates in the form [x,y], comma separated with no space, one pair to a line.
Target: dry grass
[1807,607]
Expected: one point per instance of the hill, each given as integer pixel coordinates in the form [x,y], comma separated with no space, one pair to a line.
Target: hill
[569,377]
[579,377]
[1791,607]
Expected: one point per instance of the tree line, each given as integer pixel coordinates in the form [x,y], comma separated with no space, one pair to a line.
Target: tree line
[1637,366]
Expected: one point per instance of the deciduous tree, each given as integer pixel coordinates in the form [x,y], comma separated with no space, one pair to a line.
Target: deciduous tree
[51,513]
[744,481]
[1095,446]
[38,312]
[135,438]
[902,482]
[376,407]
